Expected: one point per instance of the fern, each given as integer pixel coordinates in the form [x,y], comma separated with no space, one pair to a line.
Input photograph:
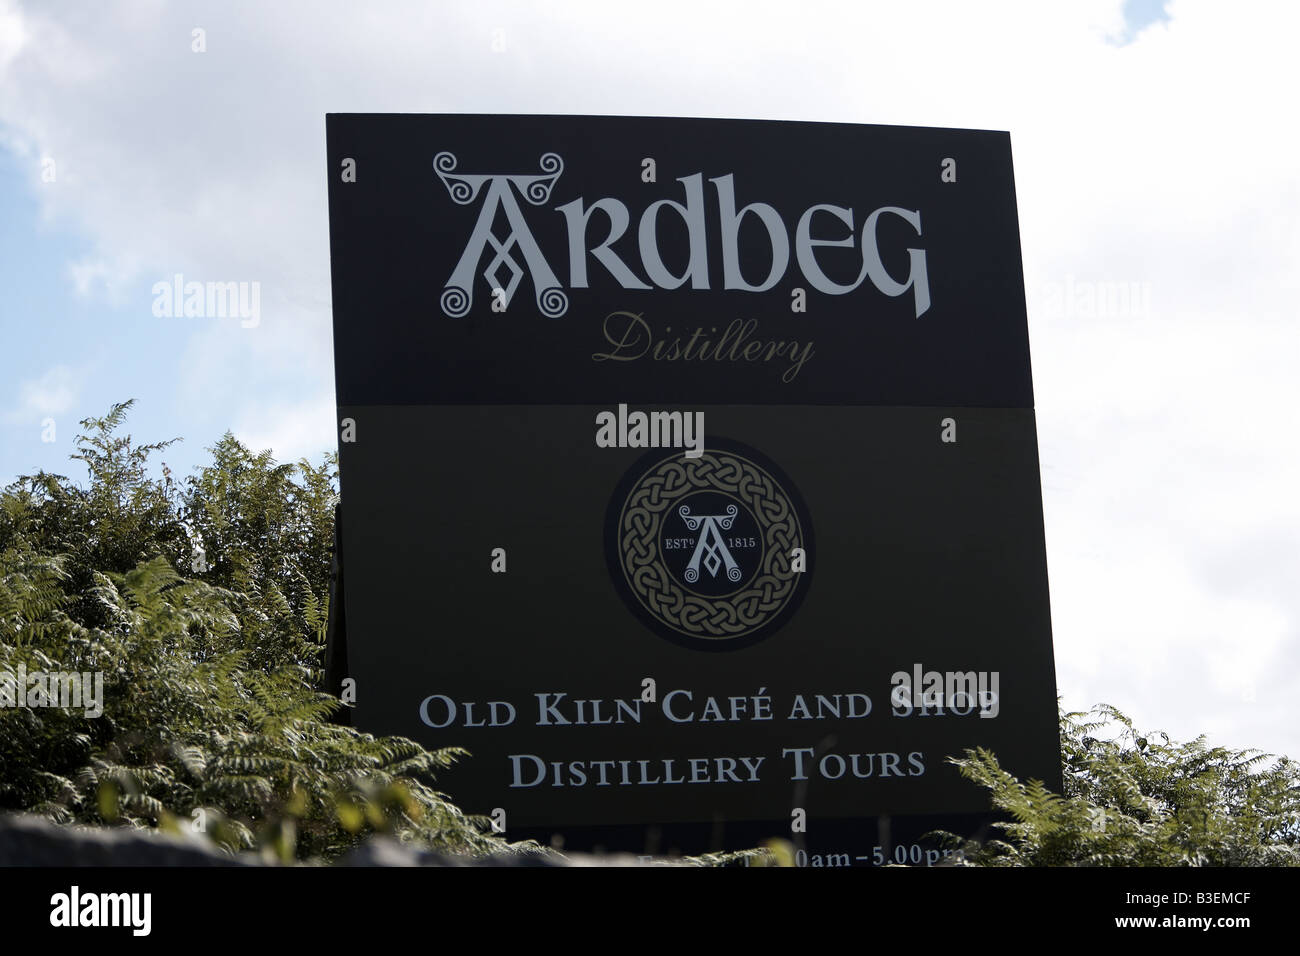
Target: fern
[1136,799]
[211,711]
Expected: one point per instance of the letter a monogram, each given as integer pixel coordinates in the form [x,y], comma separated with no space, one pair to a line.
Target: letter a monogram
[464,188]
[711,546]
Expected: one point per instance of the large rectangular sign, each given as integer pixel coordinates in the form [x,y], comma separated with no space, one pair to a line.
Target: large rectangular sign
[690,471]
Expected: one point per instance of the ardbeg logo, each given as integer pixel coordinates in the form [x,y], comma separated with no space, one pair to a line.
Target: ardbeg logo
[702,549]
[711,545]
[501,192]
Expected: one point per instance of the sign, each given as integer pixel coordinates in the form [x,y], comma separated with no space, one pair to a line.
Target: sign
[691,473]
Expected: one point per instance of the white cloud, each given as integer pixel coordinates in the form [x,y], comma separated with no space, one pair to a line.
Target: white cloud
[13,33]
[52,394]
[291,430]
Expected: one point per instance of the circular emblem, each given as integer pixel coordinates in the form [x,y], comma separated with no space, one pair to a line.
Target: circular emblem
[707,551]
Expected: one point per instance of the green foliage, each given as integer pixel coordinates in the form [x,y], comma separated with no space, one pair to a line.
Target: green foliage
[211,719]
[266,531]
[1140,799]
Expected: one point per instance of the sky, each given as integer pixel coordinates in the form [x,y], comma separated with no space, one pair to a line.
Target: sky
[1155,149]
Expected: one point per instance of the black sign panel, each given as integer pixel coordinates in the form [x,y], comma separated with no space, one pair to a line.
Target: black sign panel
[690,470]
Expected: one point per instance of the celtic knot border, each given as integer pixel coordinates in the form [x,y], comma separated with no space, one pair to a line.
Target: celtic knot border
[641,519]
